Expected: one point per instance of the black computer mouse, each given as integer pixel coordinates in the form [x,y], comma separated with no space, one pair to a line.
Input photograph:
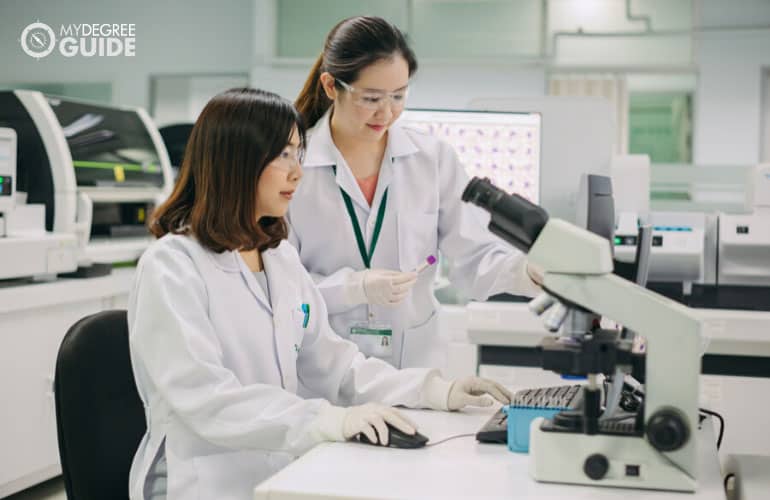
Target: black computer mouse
[399,439]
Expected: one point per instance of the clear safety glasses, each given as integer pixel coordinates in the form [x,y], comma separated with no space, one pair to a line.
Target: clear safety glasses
[289,160]
[375,99]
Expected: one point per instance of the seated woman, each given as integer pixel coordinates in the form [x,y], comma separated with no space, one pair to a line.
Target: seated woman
[226,325]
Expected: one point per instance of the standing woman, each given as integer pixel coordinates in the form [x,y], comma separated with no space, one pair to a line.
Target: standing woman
[379,199]
[225,324]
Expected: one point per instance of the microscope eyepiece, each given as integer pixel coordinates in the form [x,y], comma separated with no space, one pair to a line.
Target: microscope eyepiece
[480,192]
[514,218]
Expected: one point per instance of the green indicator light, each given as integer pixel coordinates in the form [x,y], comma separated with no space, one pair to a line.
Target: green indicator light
[618,241]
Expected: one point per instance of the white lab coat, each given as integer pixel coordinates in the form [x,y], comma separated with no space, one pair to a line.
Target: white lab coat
[218,366]
[424,215]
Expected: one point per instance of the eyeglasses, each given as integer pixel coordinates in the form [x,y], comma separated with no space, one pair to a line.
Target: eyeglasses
[375,99]
[288,160]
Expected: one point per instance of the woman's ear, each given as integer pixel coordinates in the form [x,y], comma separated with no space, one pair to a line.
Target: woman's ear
[327,82]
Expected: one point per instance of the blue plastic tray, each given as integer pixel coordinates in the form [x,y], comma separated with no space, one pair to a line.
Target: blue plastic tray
[519,419]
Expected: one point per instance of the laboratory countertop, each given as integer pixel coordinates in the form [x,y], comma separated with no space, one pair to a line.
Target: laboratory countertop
[458,468]
[730,332]
[17,296]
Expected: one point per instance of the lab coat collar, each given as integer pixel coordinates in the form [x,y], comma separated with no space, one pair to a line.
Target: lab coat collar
[230,261]
[399,142]
[226,261]
[320,148]
[283,295]
[321,151]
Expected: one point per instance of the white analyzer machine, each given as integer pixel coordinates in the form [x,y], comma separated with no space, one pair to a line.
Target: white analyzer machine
[98,170]
[744,239]
[26,248]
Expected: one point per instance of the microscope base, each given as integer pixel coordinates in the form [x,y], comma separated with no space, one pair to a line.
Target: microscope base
[619,461]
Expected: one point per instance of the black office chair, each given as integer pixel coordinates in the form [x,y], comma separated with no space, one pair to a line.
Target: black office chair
[175,138]
[99,416]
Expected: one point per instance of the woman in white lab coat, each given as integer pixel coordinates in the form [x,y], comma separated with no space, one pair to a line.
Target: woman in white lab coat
[379,199]
[226,325]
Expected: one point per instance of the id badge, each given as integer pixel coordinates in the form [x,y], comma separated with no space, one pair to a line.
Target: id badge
[373,339]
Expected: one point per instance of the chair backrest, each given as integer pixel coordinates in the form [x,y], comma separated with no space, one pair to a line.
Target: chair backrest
[175,138]
[100,417]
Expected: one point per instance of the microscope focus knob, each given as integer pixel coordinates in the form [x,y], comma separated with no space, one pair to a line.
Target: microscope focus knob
[667,430]
[596,466]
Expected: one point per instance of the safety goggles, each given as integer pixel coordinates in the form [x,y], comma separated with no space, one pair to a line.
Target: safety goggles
[288,160]
[375,99]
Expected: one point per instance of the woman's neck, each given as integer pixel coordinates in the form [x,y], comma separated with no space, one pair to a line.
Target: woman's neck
[364,158]
[253,259]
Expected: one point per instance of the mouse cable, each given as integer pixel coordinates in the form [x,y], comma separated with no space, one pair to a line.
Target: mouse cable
[727,481]
[450,438]
[721,424]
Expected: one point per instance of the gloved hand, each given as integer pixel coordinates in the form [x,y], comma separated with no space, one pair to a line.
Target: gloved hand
[372,417]
[380,286]
[473,391]
[535,273]
[440,394]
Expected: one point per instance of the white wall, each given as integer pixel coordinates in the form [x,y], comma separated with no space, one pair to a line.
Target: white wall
[233,36]
[729,96]
[609,16]
[190,36]
[434,86]
[729,62]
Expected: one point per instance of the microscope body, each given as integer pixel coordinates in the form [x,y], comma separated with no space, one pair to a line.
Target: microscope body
[657,450]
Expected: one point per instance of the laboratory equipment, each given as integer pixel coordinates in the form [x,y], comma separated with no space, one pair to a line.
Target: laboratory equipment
[656,448]
[596,206]
[503,146]
[98,170]
[680,249]
[744,239]
[678,252]
[26,248]
[510,424]
[577,138]
[425,265]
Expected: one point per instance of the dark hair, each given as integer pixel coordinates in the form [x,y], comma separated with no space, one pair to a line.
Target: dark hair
[238,133]
[352,45]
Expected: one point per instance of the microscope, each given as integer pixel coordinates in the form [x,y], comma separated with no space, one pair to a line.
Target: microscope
[655,446]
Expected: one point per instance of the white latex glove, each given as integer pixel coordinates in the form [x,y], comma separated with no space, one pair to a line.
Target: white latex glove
[440,394]
[370,419]
[535,273]
[473,391]
[379,286]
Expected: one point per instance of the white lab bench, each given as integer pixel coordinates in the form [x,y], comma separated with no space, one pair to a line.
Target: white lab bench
[735,368]
[507,333]
[460,468]
[34,317]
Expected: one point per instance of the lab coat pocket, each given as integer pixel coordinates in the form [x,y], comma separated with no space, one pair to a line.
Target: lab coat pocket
[423,346]
[300,326]
[417,239]
[233,475]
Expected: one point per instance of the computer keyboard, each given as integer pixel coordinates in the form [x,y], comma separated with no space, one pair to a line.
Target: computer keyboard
[557,397]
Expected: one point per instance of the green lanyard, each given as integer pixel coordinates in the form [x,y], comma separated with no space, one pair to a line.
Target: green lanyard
[366,257]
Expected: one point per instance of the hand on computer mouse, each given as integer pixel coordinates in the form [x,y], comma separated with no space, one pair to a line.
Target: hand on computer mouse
[398,439]
[473,391]
[370,420]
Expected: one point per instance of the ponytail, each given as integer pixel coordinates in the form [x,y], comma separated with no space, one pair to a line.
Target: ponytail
[312,101]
